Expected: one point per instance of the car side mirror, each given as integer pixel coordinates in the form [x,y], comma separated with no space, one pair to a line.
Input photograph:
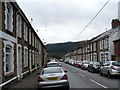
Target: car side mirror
[65,71]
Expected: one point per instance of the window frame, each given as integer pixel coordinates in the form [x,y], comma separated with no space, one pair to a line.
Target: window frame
[8,20]
[6,44]
[19,28]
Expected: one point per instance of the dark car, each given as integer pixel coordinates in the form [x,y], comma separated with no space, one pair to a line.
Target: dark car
[94,66]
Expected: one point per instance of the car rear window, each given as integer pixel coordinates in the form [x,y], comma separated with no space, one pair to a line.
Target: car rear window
[52,70]
[117,63]
[52,65]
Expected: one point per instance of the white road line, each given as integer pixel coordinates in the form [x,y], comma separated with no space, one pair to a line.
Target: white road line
[98,83]
[81,74]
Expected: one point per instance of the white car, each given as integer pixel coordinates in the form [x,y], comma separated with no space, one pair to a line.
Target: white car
[110,68]
[52,77]
[54,64]
[85,64]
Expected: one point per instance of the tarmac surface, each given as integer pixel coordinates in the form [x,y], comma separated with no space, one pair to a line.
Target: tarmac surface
[27,83]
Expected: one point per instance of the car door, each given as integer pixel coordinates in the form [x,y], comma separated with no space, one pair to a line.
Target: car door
[106,67]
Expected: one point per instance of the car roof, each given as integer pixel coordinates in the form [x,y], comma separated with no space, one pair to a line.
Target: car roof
[51,68]
[52,62]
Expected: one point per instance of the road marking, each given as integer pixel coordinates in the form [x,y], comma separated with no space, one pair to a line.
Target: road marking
[81,75]
[98,83]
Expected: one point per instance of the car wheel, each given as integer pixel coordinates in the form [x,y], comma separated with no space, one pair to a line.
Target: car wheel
[109,75]
[101,73]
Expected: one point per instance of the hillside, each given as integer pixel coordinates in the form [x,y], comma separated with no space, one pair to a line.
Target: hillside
[57,50]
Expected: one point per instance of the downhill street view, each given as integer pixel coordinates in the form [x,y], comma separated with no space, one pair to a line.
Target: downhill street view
[60,44]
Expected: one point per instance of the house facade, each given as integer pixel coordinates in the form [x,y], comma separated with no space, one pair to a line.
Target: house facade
[101,48]
[117,49]
[21,50]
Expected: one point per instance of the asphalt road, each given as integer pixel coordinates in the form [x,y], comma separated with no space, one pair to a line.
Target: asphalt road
[79,78]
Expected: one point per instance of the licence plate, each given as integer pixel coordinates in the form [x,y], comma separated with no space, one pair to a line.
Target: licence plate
[52,78]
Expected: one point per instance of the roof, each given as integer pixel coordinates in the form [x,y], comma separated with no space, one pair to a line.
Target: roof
[106,33]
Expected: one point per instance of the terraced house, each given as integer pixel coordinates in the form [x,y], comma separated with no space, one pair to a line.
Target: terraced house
[102,48]
[21,50]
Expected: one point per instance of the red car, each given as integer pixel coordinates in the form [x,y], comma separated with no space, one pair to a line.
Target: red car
[78,64]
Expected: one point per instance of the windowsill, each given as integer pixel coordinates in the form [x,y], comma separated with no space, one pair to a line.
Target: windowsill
[9,74]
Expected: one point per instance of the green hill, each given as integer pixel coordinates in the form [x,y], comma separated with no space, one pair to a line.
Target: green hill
[58,50]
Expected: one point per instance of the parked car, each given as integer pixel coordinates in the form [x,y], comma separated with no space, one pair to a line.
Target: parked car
[53,77]
[78,64]
[66,61]
[85,64]
[94,66]
[110,68]
[54,64]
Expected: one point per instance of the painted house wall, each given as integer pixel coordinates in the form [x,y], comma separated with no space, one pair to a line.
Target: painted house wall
[112,37]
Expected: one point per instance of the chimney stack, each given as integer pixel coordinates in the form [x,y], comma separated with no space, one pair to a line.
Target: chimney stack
[115,23]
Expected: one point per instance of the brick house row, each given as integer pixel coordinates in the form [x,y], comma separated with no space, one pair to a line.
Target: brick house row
[21,50]
[101,48]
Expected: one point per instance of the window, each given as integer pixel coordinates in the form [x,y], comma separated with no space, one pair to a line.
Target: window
[30,36]
[30,58]
[8,57]
[25,57]
[33,58]
[19,26]
[106,43]
[94,46]
[101,44]
[9,14]
[25,31]
[33,39]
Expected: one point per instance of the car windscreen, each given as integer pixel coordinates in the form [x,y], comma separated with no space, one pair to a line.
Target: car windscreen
[117,63]
[52,70]
[86,62]
[52,65]
[96,63]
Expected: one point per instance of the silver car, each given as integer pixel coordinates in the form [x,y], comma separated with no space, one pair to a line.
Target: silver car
[52,77]
[85,64]
[110,68]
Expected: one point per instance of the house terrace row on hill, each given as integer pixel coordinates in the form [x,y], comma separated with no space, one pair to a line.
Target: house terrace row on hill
[21,50]
[102,48]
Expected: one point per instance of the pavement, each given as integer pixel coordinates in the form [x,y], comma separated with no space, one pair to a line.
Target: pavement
[29,82]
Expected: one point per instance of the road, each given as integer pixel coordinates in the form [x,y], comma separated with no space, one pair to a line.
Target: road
[79,78]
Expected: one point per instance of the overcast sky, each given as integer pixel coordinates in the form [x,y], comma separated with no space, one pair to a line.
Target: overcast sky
[59,21]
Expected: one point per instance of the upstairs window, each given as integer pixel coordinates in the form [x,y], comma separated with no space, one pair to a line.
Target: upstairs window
[25,31]
[19,25]
[8,16]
